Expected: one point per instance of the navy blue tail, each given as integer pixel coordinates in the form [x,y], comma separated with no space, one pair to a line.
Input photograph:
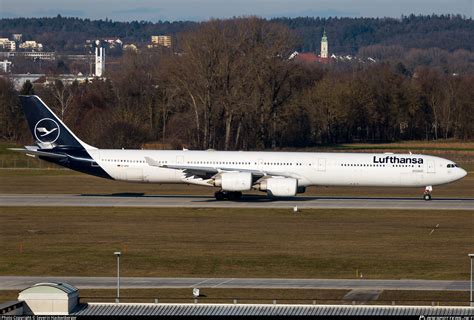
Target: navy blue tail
[56,143]
[47,130]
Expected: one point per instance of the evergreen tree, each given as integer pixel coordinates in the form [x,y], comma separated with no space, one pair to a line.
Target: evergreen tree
[27,88]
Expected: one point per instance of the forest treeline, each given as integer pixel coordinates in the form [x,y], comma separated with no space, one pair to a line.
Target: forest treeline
[346,35]
[232,87]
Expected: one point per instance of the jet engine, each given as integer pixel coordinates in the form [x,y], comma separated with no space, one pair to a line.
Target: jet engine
[280,187]
[234,181]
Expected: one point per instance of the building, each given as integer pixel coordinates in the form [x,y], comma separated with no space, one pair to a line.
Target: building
[324,46]
[307,57]
[109,42]
[6,44]
[131,47]
[5,66]
[31,55]
[42,79]
[17,37]
[49,298]
[33,45]
[164,41]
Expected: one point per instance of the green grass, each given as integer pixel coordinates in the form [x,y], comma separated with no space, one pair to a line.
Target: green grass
[236,242]
[4,148]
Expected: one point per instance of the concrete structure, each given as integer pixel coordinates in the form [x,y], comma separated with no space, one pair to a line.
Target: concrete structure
[99,60]
[6,44]
[19,282]
[49,298]
[5,66]
[324,46]
[249,201]
[162,40]
[33,45]
[32,55]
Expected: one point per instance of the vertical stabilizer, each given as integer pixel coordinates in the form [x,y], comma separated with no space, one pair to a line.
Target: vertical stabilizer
[47,129]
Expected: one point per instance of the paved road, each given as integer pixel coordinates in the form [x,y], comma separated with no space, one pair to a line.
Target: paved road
[138,200]
[18,283]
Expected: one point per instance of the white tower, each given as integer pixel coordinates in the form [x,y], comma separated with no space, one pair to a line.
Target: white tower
[324,46]
[99,60]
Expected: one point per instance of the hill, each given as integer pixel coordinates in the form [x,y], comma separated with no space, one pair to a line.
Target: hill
[346,35]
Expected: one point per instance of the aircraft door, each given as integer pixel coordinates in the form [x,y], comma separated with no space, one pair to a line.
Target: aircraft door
[179,173]
[321,164]
[431,166]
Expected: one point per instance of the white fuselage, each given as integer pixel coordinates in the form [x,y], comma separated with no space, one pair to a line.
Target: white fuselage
[320,169]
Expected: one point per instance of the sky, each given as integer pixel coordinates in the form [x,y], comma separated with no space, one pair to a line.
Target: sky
[201,10]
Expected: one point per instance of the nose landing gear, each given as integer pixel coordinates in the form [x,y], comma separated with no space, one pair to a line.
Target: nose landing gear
[427,193]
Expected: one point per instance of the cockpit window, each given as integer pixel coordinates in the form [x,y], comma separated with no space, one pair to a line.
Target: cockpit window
[453,165]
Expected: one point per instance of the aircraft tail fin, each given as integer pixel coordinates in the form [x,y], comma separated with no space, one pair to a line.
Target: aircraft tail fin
[47,129]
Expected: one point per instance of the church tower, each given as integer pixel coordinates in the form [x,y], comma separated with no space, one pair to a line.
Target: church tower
[324,46]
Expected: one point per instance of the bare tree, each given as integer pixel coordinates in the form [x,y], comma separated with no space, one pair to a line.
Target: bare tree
[63,95]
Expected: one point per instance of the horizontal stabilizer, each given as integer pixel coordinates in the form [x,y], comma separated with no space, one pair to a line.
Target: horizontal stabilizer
[39,153]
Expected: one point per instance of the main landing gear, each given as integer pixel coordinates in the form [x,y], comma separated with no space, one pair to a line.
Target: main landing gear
[233,196]
[427,194]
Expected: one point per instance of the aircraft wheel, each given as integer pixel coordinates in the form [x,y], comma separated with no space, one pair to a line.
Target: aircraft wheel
[219,195]
[233,196]
[427,196]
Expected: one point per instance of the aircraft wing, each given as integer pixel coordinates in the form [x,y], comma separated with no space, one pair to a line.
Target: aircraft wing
[204,172]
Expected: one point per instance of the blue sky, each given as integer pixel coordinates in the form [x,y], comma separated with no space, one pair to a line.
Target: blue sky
[198,10]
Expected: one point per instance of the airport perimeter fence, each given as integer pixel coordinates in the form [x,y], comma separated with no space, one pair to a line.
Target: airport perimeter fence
[246,300]
[28,164]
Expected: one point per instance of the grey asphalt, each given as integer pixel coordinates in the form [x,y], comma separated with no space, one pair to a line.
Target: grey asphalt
[19,283]
[139,200]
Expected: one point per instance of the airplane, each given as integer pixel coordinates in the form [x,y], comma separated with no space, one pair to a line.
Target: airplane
[279,174]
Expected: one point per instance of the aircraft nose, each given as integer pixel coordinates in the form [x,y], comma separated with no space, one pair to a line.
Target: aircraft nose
[463,172]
